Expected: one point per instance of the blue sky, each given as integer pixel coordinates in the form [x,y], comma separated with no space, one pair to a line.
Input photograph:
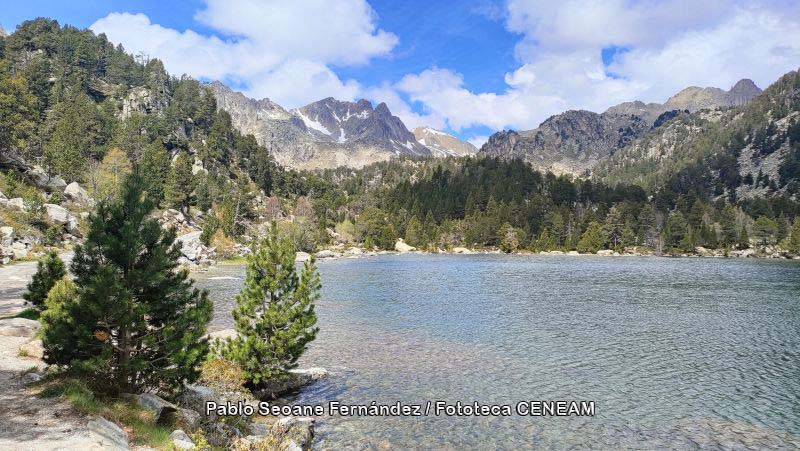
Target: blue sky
[469,67]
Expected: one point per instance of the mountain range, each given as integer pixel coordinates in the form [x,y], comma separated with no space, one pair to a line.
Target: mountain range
[330,133]
[576,141]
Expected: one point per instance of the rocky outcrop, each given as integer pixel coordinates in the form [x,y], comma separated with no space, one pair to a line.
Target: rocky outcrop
[442,144]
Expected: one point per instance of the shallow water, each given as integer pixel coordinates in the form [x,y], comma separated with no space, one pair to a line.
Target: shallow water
[676,353]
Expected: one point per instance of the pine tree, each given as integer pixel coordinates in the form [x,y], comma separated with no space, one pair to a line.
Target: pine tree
[154,168]
[48,272]
[138,321]
[274,313]
[794,237]
[593,239]
[180,183]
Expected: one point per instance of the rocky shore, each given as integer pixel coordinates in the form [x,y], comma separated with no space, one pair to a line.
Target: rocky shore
[32,422]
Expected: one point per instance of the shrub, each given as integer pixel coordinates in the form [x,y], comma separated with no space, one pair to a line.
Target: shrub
[48,271]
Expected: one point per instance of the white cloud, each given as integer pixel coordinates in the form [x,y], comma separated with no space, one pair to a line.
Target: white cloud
[284,50]
[478,141]
[289,51]
[669,45]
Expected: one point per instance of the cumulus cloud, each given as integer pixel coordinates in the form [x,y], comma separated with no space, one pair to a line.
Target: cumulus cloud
[290,51]
[666,46]
[284,50]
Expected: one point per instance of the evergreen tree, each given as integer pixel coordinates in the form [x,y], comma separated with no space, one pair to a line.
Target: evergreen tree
[274,313]
[744,239]
[138,322]
[675,233]
[48,271]
[154,168]
[793,244]
[509,238]
[414,232]
[593,239]
[180,183]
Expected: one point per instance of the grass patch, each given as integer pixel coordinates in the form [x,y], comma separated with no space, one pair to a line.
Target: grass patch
[139,423]
[29,313]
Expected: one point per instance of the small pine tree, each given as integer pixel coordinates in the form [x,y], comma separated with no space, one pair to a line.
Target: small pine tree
[274,312]
[137,321]
[48,272]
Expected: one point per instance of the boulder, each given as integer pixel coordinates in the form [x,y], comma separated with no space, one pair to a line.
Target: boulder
[573,253]
[33,348]
[16,204]
[294,432]
[185,418]
[327,253]
[77,194]
[18,327]
[18,253]
[402,247]
[30,378]
[57,214]
[222,334]
[7,232]
[180,440]
[109,435]
[161,409]
[355,251]
[42,180]
[461,250]
[605,252]
[302,256]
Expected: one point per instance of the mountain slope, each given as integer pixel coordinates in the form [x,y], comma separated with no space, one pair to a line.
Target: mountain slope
[747,152]
[325,134]
[578,140]
[442,144]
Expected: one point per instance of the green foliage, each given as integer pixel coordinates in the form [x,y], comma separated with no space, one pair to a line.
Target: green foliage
[793,244]
[677,237]
[510,238]
[79,133]
[765,230]
[593,239]
[17,110]
[180,183]
[154,167]
[375,230]
[137,322]
[48,271]
[274,314]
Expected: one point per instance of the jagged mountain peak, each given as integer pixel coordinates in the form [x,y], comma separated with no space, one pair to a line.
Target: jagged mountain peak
[323,134]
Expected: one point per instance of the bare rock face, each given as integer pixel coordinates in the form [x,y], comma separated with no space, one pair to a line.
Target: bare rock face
[19,327]
[575,142]
[324,134]
[443,144]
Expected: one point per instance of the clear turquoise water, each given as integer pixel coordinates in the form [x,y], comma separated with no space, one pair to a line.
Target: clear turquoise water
[676,353]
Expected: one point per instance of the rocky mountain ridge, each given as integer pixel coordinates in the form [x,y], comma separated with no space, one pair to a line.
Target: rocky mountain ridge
[577,140]
[443,144]
[328,133]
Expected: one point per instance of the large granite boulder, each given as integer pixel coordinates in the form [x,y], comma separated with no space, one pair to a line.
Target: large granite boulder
[77,194]
[402,247]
